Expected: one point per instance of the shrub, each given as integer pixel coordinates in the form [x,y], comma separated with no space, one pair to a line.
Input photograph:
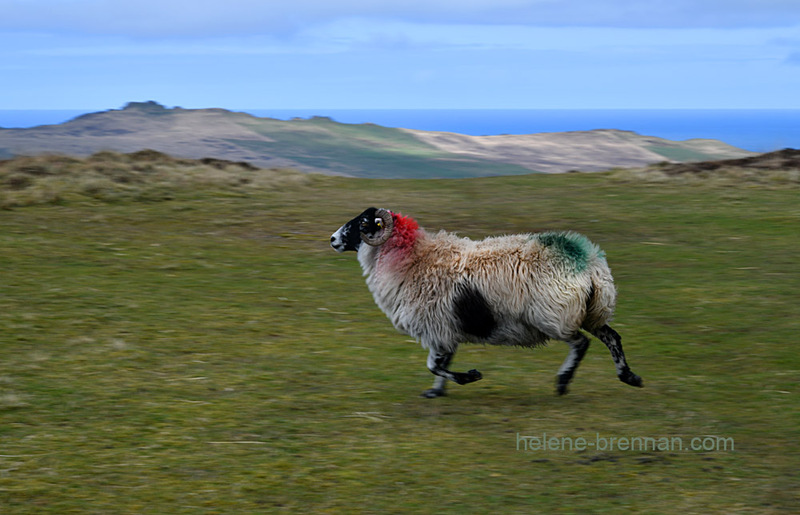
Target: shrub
[18,181]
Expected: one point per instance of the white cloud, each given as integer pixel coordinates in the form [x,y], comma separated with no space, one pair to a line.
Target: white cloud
[411,53]
[206,48]
[391,38]
[198,18]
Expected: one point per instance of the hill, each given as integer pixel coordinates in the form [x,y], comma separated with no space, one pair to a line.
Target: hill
[786,159]
[323,145]
[780,168]
[154,176]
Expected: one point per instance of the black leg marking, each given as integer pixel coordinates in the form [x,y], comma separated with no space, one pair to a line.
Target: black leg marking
[437,364]
[613,341]
[467,377]
[439,384]
[579,344]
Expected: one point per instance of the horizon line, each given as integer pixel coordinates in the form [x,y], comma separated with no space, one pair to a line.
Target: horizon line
[93,109]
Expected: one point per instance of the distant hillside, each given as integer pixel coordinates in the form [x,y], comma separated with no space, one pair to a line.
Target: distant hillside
[774,169]
[786,159]
[361,150]
[148,175]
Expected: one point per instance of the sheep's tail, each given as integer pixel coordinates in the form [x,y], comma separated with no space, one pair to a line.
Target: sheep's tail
[602,297]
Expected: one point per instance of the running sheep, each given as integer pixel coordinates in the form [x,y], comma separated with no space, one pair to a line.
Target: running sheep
[520,289]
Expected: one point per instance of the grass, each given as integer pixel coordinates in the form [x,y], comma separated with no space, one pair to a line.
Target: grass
[211,354]
[146,175]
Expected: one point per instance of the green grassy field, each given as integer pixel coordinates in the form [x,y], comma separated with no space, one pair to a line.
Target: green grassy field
[211,354]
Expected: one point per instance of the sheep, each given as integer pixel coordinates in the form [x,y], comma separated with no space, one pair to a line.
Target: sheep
[520,289]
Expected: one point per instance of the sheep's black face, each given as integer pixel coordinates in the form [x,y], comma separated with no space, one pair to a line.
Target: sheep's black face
[348,237]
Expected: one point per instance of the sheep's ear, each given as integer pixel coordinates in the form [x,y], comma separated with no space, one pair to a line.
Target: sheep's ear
[385,222]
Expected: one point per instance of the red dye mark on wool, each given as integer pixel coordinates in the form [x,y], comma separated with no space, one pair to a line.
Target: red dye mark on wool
[405,231]
[397,248]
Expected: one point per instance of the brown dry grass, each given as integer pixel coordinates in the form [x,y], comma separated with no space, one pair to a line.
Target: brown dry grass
[143,175]
[779,169]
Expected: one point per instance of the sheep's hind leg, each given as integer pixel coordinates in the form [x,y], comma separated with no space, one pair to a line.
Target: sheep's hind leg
[578,345]
[438,361]
[613,341]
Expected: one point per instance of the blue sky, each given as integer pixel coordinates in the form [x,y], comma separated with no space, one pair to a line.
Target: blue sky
[344,54]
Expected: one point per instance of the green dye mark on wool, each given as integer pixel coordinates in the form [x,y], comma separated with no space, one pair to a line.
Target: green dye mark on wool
[574,248]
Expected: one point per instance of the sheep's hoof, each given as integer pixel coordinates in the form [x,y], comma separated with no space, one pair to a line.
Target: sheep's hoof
[432,393]
[468,377]
[630,378]
[562,381]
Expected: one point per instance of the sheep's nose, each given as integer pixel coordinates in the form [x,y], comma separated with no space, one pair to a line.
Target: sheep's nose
[333,238]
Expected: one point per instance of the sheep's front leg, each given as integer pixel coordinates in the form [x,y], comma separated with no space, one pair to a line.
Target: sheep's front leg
[438,361]
[440,383]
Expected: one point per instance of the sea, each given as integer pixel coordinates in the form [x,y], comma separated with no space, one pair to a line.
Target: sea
[757,130]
